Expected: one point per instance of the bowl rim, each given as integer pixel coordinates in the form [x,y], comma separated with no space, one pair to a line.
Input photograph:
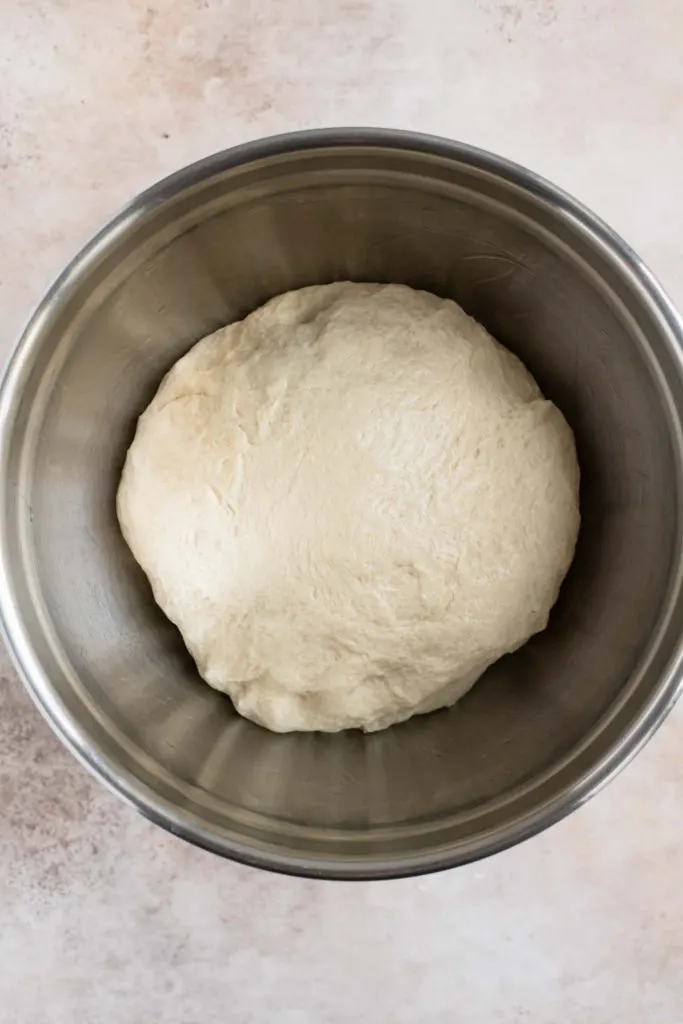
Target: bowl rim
[16,635]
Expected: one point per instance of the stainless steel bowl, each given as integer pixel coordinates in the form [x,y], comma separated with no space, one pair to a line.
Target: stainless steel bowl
[547,726]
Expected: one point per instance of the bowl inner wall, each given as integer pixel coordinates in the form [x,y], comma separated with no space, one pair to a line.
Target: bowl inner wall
[195,265]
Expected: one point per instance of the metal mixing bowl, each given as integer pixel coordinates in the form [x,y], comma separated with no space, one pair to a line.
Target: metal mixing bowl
[545,727]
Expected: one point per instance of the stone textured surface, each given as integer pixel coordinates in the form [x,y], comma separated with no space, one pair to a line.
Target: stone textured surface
[104,918]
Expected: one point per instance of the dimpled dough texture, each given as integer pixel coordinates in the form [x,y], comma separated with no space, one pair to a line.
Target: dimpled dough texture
[351,503]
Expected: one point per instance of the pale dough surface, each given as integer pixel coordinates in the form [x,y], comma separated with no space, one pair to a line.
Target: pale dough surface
[351,503]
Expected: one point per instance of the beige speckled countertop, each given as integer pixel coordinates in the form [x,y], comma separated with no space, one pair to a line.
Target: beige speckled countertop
[104,919]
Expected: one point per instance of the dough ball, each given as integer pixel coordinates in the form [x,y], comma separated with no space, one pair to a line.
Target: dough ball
[351,503]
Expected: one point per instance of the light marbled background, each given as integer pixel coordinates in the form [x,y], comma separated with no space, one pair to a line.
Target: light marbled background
[105,919]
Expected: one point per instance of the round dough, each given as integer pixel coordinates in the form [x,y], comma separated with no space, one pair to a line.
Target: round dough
[351,503]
